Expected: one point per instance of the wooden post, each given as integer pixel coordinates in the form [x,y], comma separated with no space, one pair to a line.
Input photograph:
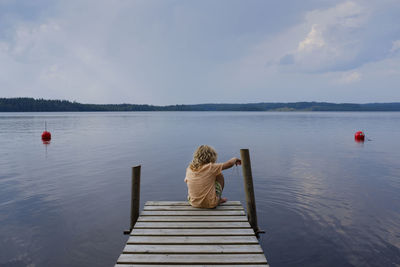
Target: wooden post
[249,190]
[135,197]
[135,200]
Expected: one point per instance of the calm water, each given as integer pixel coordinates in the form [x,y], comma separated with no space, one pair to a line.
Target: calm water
[323,199]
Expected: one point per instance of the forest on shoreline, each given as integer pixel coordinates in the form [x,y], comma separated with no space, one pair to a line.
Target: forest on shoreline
[25,104]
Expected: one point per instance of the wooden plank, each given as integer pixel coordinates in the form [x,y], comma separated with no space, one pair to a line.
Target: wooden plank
[192,240]
[193,249]
[192,258]
[192,219]
[186,265]
[218,208]
[193,213]
[185,203]
[191,225]
[193,232]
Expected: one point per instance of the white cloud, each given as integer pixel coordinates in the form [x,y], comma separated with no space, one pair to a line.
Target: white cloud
[326,40]
[333,40]
[339,38]
[348,14]
[313,40]
[322,57]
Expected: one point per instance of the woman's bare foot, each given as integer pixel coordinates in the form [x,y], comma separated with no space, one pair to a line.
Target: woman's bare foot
[223,200]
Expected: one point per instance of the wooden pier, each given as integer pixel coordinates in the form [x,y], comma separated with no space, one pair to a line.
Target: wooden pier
[173,233]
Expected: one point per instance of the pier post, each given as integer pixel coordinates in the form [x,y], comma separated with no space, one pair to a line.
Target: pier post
[135,197]
[249,190]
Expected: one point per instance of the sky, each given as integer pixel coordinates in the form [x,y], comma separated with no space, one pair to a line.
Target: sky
[186,52]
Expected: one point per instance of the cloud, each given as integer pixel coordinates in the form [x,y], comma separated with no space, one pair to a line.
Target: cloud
[333,42]
[324,40]
[52,59]
[160,53]
[324,56]
[33,42]
[313,40]
[286,60]
[339,38]
[350,77]
[395,46]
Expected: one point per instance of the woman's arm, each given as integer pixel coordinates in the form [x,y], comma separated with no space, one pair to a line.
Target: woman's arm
[230,163]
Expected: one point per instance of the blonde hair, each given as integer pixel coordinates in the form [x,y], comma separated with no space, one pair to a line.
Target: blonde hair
[204,154]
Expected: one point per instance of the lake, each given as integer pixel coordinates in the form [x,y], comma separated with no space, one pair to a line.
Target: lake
[322,198]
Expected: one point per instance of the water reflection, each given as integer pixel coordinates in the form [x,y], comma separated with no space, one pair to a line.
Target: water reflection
[321,199]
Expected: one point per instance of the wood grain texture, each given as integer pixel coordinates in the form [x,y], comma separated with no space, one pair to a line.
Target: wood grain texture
[194,232]
[218,208]
[193,249]
[193,213]
[193,240]
[192,219]
[192,258]
[185,203]
[191,225]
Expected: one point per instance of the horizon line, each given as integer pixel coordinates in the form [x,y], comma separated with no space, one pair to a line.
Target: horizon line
[210,103]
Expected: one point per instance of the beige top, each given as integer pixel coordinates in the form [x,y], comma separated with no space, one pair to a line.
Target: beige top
[201,185]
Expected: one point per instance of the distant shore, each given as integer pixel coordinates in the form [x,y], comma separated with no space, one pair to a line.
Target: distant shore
[25,104]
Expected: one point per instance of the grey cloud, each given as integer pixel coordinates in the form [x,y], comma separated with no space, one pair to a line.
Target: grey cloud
[287,59]
[352,35]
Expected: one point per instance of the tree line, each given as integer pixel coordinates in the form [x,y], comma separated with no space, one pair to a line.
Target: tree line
[25,104]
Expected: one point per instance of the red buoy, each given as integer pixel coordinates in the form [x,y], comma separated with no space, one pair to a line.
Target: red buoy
[46,136]
[359,136]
